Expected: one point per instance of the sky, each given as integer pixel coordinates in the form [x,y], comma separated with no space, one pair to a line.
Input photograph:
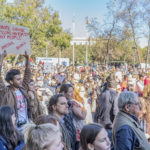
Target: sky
[79,10]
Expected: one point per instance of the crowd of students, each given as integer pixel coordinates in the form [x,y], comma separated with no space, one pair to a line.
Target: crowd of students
[73,108]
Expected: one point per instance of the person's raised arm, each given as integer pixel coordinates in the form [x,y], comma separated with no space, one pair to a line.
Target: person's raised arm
[79,111]
[2,56]
[27,73]
[27,65]
[2,85]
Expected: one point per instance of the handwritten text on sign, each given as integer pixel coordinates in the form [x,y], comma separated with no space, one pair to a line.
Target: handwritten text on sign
[14,39]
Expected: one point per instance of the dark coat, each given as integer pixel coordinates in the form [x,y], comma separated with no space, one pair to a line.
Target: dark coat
[7,95]
[128,134]
[34,105]
[107,108]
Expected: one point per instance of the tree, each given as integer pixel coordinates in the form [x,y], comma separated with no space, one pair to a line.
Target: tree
[43,22]
[112,28]
[130,16]
[107,31]
[146,24]
[62,41]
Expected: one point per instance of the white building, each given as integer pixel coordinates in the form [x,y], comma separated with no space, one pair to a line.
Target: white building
[82,41]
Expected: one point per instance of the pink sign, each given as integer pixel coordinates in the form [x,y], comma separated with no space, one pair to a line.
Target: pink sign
[14,39]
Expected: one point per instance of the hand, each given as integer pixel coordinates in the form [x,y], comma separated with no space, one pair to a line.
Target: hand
[4,54]
[31,94]
[26,55]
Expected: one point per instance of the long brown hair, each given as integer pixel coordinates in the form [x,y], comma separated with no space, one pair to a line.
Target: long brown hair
[88,134]
[7,129]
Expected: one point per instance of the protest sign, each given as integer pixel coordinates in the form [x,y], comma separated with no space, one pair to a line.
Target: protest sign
[14,39]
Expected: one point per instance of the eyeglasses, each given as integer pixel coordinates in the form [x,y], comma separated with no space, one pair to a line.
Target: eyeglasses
[137,103]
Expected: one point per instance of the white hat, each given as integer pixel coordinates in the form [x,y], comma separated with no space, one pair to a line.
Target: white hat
[76,76]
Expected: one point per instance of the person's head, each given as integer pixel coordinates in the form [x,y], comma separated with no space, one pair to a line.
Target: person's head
[141,77]
[13,77]
[111,83]
[8,126]
[42,137]
[58,105]
[131,87]
[42,119]
[128,102]
[125,78]
[67,90]
[94,137]
[31,85]
[7,117]
[53,82]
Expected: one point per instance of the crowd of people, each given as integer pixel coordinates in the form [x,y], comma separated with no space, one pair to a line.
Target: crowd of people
[74,108]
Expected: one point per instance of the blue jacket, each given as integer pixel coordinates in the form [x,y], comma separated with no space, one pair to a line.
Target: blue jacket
[126,139]
[3,144]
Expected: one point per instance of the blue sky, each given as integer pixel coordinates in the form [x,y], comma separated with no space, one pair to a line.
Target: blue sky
[80,9]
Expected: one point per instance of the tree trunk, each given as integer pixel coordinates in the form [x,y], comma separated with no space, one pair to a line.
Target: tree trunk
[107,53]
[133,34]
[109,40]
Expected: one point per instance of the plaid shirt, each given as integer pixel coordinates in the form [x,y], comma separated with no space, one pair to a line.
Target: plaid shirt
[68,122]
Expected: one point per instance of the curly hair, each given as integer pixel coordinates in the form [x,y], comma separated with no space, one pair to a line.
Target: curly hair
[10,74]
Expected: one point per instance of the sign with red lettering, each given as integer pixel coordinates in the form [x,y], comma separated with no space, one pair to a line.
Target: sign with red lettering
[14,39]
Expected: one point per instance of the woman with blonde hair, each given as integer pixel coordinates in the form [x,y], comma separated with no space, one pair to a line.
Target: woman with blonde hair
[42,137]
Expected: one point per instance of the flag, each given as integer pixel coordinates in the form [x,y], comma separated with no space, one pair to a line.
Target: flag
[87,20]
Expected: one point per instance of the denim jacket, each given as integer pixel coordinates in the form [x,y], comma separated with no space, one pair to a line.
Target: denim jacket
[3,144]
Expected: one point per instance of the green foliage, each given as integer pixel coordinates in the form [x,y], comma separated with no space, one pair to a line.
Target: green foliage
[113,40]
[62,40]
[43,22]
[119,32]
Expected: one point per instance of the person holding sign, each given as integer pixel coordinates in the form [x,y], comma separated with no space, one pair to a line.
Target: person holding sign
[15,95]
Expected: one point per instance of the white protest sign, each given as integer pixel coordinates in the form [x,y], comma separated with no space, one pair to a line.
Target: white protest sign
[14,39]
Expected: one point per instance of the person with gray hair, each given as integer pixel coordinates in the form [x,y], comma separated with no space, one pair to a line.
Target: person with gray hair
[126,98]
[127,132]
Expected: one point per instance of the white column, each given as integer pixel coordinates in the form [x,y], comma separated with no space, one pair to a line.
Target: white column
[86,53]
[73,54]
